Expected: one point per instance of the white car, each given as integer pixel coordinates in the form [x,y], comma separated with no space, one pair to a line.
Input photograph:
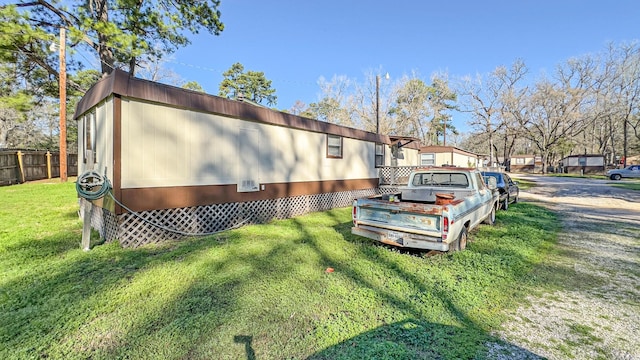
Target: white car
[632,171]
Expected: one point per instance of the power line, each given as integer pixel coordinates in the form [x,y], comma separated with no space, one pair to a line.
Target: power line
[176,62]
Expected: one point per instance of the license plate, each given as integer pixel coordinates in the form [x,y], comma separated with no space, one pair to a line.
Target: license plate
[394,235]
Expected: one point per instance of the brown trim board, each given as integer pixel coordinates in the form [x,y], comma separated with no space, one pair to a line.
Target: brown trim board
[117,150]
[146,199]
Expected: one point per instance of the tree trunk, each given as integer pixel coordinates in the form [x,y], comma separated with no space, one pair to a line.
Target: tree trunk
[100,13]
[132,66]
[625,143]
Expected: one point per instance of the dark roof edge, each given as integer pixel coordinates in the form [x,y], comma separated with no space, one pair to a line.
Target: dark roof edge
[583,155]
[120,83]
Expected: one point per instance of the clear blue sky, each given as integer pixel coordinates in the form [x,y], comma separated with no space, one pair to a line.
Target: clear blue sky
[295,42]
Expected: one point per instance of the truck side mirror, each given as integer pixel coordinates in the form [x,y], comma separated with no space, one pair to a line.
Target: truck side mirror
[491,181]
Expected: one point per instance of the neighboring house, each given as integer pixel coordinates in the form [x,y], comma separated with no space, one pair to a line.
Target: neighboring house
[448,156]
[525,164]
[201,163]
[583,164]
[404,151]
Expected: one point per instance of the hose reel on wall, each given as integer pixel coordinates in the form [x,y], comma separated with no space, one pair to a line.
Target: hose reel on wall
[92,186]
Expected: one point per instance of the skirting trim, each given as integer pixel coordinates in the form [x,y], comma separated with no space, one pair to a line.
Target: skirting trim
[133,231]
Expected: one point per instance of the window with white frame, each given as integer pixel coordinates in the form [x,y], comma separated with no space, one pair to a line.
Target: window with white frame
[427,159]
[379,155]
[520,161]
[334,146]
[89,128]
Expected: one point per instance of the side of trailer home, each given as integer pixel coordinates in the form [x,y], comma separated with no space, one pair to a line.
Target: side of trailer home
[195,163]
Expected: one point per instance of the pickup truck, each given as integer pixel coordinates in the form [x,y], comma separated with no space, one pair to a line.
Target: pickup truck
[435,211]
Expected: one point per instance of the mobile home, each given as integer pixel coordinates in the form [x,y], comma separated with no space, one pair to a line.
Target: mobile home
[182,162]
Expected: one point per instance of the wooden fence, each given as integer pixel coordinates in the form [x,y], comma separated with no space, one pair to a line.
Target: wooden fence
[18,166]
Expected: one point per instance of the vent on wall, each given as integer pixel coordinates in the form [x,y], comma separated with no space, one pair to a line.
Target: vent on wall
[248,185]
[249,162]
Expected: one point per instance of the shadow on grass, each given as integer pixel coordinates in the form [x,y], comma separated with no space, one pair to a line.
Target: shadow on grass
[419,339]
[229,301]
[62,287]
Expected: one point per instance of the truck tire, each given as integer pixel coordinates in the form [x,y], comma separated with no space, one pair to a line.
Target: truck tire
[505,204]
[460,243]
[616,177]
[489,220]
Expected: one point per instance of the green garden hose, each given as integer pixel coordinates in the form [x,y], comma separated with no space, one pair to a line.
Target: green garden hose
[92,186]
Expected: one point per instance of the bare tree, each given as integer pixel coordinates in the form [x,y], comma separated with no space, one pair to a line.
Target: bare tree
[482,100]
[298,108]
[332,106]
[556,110]
[155,69]
[411,111]
[626,89]
[370,103]
[513,109]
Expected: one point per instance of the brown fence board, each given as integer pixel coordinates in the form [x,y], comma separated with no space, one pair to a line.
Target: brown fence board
[34,166]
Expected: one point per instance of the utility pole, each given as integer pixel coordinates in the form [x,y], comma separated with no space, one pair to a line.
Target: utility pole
[444,133]
[63,106]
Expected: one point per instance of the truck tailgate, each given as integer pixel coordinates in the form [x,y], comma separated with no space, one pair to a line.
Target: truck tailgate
[424,219]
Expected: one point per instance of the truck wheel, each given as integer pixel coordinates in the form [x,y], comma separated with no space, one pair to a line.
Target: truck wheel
[462,239]
[460,243]
[615,177]
[489,220]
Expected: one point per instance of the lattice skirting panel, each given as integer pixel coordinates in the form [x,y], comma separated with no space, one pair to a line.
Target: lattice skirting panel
[388,189]
[148,227]
[102,220]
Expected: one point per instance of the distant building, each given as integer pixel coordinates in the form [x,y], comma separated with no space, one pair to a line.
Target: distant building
[583,164]
[448,156]
[527,163]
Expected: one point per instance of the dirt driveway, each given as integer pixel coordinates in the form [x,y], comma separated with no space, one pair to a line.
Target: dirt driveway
[596,314]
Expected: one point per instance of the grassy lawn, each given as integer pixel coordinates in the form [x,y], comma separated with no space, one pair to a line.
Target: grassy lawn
[626,183]
[629,185]
[258,292]
[587,176]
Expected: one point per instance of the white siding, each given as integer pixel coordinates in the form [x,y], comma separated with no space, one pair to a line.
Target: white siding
[411,158]
[463,160]
[164,146]
[590,161]
[103,113]
[443,159]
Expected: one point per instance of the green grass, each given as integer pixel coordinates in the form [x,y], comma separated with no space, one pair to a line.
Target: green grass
[635,186]
[258,292]
[572,175]
[525,184]
[631,184]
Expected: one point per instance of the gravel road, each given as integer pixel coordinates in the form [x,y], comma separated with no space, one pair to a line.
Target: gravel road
[597,314]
